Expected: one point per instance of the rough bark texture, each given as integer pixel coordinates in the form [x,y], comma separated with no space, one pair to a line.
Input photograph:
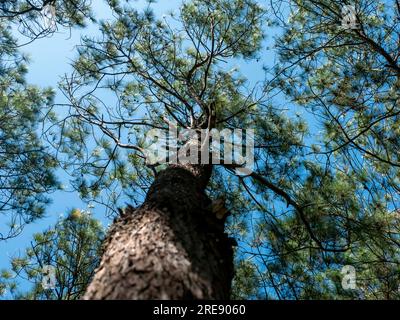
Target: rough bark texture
[172,247]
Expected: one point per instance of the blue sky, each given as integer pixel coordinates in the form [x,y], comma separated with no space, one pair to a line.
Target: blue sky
[50,60]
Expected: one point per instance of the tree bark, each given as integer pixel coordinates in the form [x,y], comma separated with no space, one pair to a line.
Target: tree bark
[171,247]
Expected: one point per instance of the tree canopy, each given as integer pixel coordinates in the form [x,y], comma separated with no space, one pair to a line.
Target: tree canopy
[324,192]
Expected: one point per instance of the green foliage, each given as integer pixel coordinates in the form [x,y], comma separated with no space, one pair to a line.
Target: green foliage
[26,166]
[72,247]
[30,16]
[156,71]
[347,187]
[245,283]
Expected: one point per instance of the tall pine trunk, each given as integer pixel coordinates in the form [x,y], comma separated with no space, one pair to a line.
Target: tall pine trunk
[172,247]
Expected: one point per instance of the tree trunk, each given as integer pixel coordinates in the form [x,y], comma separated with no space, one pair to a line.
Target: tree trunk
[172,247]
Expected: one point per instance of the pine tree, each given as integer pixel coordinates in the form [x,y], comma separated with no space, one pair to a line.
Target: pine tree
[26,165]
[60,261]
[161,75]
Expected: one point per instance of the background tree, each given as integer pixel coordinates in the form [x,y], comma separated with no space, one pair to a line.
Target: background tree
[40,18]
[72,247]
[348,81]
[26,166]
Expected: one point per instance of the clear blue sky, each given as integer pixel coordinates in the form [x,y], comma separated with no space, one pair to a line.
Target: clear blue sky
[50,59]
